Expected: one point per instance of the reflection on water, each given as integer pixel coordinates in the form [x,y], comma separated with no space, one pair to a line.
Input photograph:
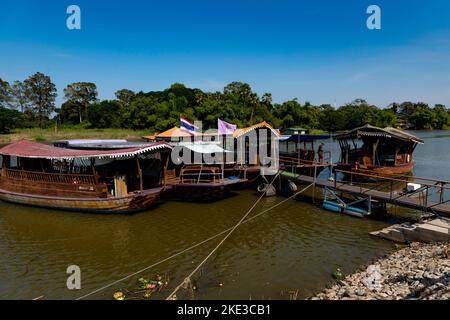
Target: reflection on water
[296,246]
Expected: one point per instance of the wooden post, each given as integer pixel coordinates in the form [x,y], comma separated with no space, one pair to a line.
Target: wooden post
[94,172]
[165,169]
[141,183]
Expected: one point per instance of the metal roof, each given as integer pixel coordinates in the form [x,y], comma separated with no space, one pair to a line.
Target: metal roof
[30,149]
[372,131]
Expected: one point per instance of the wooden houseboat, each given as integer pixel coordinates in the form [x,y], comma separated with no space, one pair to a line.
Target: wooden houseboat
[244,162]
[106,181]
[187,175]
[377,151]
[298,153]
[202,171]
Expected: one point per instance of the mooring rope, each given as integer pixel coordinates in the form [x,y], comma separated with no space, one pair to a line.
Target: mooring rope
[192,247]
[187,279]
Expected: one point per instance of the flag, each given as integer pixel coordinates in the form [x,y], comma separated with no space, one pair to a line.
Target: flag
[188,126]
[225,127]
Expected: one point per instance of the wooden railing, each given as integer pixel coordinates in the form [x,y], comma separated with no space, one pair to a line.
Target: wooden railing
[200,174]
[62,178]
[292,160]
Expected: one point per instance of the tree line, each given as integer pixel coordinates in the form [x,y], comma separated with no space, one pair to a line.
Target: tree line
[31,103]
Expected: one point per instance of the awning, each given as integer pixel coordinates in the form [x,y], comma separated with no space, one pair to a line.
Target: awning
[207,148]
[30,149]
[371,131]
[240,132]
[303,137]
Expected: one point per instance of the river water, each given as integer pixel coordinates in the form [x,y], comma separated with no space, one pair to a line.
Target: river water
[294,247]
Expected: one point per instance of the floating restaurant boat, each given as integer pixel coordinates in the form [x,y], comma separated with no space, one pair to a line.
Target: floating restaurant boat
[244,164]
[106,181]
[194,181]
[376,151]
[298,154]
[200,179]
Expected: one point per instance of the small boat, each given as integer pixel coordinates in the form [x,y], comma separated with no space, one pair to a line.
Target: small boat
[373,152]
[103,181]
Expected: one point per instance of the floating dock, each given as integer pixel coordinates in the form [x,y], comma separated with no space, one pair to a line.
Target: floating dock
[417,200]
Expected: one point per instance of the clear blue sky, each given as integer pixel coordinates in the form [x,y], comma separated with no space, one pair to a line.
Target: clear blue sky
[319,51]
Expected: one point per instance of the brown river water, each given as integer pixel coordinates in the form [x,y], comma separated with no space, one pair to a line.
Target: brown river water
[297,246]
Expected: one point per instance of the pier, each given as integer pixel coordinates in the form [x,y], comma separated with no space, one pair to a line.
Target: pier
[387,190]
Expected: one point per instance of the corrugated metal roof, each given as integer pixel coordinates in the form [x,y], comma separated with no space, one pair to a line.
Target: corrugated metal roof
[387,132]
[30,149]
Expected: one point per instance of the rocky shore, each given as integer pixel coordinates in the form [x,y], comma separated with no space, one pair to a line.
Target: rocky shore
[418,271]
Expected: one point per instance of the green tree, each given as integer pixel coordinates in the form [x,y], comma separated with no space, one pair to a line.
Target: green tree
[83,94]
[125,96]
[69,113]
[20,96]
[42,93]
[5,94]
[105,114]
[9,119]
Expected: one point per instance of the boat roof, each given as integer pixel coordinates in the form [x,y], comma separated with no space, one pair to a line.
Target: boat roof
[372,131]
[31,149]
[304,137]
[204,147]
[240,132]
[99,144]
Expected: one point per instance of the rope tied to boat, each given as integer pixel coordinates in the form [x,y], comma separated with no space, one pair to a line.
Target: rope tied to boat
[170,297]
[193,246]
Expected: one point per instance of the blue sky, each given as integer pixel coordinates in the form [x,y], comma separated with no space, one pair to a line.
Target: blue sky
[317,51]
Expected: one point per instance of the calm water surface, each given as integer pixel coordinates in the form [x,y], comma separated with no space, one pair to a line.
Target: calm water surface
[296,246]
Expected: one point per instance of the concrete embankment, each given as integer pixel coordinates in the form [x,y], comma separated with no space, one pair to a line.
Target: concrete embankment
[418,271]
[433,230]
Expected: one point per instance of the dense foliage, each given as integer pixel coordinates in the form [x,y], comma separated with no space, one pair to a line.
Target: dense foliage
[33,102]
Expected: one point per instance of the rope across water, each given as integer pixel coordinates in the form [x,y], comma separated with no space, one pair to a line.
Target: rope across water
[194,246]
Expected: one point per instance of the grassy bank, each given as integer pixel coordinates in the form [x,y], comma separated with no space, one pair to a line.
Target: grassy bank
[51,134]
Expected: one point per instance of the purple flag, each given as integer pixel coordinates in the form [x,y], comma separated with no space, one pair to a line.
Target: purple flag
[225,127]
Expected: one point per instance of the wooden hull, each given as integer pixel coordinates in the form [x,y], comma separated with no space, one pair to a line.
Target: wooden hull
[204,192]
[388,171]
[131,203]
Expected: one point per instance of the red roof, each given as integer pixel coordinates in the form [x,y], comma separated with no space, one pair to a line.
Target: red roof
[30,149]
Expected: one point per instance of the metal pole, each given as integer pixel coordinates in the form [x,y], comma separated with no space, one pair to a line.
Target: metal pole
[335,176]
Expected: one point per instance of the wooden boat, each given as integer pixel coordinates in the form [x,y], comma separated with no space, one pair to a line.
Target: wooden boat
[113,181]
[244,145]
[298,154]
[377,151]
[196,179]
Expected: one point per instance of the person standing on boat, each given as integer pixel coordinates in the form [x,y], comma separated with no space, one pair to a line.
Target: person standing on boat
[320,152]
